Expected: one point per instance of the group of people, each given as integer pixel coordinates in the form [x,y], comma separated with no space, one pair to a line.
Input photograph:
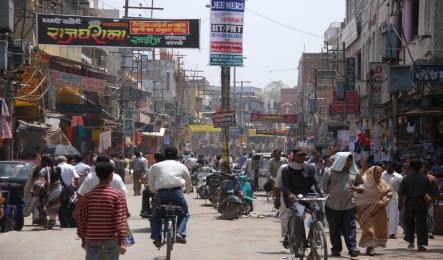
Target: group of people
[375,198]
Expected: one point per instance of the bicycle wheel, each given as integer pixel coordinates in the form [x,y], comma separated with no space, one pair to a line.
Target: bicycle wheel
[296,248]
[318,243]
[169,241]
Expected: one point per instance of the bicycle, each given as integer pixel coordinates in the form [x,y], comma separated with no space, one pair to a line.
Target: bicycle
[316,240]
[169,215]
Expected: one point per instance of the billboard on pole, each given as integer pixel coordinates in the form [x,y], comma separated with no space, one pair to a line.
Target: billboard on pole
[124,32]
[226,33]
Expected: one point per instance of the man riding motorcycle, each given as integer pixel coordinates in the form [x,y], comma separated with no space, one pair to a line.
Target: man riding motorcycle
[168,178]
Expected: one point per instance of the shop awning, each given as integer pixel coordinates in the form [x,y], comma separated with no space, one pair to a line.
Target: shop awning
[155,134]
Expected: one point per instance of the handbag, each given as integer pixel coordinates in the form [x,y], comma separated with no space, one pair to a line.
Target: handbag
[68,190]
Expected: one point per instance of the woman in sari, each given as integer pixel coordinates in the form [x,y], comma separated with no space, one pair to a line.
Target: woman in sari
[47,189]
[371,210]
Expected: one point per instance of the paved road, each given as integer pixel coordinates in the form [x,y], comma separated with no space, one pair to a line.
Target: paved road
[209,238]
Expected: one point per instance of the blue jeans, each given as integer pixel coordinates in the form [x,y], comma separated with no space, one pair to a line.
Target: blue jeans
[110,249]
[164,197]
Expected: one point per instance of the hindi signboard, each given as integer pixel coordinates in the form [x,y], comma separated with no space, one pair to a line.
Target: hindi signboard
[226,35]
[350,74]
[379,79]
[224,119]
[73,80]
[428,74]
[273,118]
[124,32]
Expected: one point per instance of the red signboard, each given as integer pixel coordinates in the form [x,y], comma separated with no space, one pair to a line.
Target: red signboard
[224,119]
[273,118]
[349,105]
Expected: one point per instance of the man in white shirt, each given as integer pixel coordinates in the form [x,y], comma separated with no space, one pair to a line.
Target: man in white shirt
[68,173]
[82,168]
[92,180]
[394,180]
[70,181]
[168,178]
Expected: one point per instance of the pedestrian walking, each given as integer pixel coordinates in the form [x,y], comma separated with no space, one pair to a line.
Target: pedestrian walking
[393,178]
[120,165]
[107,206]
[414,189]
[371,210]
[147,193]
[140,166]
[275,163]
[430,200]
[82,168]
[69,178]
[341,181]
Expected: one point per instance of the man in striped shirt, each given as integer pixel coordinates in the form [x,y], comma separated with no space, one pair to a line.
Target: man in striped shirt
[102,218]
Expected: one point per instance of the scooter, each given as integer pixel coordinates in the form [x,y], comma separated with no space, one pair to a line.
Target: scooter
[213,183]
[248,194]
[231,198]
[202,190]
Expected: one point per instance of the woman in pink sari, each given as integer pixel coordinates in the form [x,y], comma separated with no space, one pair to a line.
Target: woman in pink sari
[371,210]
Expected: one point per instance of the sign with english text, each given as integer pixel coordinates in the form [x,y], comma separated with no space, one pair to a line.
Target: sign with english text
[124,32]
[224,119]
[273,118]
[226,33]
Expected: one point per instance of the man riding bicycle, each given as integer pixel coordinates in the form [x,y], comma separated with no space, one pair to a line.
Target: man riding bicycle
[298,177]
[168,178]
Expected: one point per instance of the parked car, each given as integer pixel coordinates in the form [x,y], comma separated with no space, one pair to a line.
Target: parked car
[13,177]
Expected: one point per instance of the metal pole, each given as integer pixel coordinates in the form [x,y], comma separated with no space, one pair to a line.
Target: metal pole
[395,20]
[225,100]
[126,8]
[235,89]
[315,107]
[241,103]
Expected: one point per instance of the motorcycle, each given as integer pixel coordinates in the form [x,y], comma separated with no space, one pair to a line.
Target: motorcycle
[213,183]
[236,196]
[202,190]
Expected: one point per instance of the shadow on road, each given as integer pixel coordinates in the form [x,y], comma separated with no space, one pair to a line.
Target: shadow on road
[141,230]
[414,254]
[274,253]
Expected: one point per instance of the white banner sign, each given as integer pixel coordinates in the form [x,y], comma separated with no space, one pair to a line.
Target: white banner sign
[226,33]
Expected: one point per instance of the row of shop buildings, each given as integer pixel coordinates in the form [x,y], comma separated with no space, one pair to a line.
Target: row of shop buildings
[376,86]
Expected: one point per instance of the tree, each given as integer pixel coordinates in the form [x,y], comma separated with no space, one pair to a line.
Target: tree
[272,90]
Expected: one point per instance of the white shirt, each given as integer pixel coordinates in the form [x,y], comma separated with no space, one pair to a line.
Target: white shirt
[169,174]
[92,180]
[394,180]
[279,184]
[68,173]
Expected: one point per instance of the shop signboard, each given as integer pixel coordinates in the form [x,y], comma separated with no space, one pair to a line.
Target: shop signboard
[379,78]
[128,121]
[349,105]
[400,79]
[124,32]
[226,35]
[428,74]
[350,73]
[273,118]
[224,119]
[59,78]
[276,132]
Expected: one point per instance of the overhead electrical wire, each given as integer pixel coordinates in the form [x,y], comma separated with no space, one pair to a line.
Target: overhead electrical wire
[283,25]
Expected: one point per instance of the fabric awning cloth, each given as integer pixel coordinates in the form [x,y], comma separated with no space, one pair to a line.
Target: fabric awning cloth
[155,134]
[31,135]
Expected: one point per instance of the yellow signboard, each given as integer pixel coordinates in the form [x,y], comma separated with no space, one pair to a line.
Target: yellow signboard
[204,129]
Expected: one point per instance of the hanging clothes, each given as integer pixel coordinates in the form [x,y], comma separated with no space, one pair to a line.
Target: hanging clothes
[96,136]
[105,141]
[77,121]
[138,137]
[5,130]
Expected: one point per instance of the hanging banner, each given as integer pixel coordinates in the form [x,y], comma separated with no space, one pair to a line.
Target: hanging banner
[350,73]
[273,118]
[379,79]
[226,35]
[428,74]
[124,32]
[59,78]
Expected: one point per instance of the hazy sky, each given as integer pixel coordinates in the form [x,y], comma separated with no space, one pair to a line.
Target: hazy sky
[272,50]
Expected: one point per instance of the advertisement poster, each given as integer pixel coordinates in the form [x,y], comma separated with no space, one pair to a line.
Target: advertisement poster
[73,80]
[226,33]
[349,105]
[124,32]
[224,119]
[273,118]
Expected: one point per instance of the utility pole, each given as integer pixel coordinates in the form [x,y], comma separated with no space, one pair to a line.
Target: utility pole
[315,108]
[395,20]
[225,102]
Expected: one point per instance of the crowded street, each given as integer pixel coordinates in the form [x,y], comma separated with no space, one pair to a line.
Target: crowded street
[221,129]
[210,238]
